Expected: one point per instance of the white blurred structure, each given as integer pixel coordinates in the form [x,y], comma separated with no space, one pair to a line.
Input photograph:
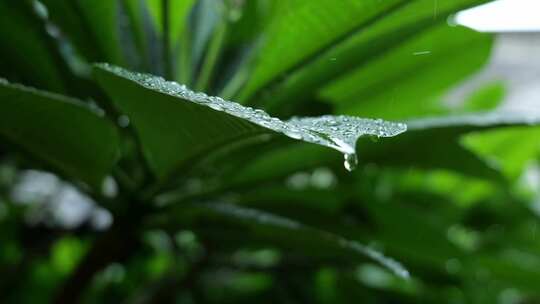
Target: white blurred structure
[516,55]
[503,16]
[516,60]
[56,203]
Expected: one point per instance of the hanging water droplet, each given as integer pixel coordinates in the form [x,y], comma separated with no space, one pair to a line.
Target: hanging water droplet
[350,161]
[215,106]
[293,134]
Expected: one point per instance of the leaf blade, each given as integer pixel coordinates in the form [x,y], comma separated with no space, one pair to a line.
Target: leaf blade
[174,122]
[60,131]
[304,234]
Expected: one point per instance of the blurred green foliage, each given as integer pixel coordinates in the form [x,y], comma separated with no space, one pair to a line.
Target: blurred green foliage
[122,194]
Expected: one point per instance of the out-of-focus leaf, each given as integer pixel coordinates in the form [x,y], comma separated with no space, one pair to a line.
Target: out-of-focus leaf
[66,253]
[416,231]
[485,98]
[476,121]
[178,13]
[305,27]
[27,49]
[179,126]
[440,138]
[292,158]
[391,25]
[326,201]
[461,190]
[135,12]
[58,130]
[509,268]
[289,232]
[507,149]
[413,234]
[91,26]
[248,19]
[178,38]
[207,15]
[409,80]
[105,32]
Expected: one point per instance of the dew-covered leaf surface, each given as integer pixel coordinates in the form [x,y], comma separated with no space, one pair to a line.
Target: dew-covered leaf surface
[305,27]
[176,124]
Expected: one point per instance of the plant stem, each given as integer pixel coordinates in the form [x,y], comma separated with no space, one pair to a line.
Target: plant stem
[166,38]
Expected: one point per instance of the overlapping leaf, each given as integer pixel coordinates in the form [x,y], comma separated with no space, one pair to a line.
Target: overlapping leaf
[61,131]
[420,71]
[287,232]
[27,51]
[378,30]
[78,20]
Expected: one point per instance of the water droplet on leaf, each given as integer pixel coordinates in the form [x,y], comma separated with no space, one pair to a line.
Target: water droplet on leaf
[337,132]
[350,161]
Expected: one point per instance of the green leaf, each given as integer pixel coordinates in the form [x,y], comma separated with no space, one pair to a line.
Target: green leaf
[305,27]
[180,126]
[135,12]
[325,53]
[178,13]
[28,49]
[58,130]
[413,234]
[409,80]
[249,18]
[463,123]
[208,15]
[291,158]
[509,149]
[286,231]
[91,26]
[440,139]
[66,253]
[485,98]
[516,269]
[172,31]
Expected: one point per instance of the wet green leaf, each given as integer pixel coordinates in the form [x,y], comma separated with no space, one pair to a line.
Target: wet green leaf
[176,125]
